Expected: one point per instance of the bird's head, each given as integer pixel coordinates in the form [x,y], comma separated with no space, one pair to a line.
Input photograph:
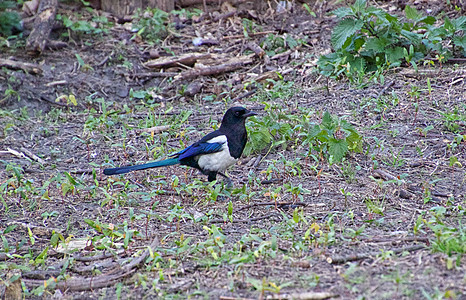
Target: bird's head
[236,115]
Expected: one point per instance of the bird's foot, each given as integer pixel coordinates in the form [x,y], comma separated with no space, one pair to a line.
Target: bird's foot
[227,181]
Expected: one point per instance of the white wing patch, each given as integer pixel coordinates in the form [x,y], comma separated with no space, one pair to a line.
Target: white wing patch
[219,161]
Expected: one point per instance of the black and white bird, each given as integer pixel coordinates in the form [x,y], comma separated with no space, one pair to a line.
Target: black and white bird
[213,154]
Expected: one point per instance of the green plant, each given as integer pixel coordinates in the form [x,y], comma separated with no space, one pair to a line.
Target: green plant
[97,26]
[333,138]
[110,234]
[275,44]
[9,92]
[265,285]
[10,21]
[376,206]
[151,25]
[452,118]
[82,65]
[249,27]
[449,238]
[370,40]
[270,131]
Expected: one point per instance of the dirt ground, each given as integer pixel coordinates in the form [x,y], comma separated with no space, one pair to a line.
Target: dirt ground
[386,223]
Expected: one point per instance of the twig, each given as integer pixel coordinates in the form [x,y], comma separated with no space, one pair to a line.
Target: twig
[16,153]
[270,204]
[95,257]
[386,87]
[155,129]
[344,259]
[271,181]
[385,175]
[249,93]
[136,262]
[187,59]
[239,36]
[82,171]
[54,83]
[155,74]
[33,156]
[83,284]
[217,69]
[303,296]
[234,298]
[256,49]
[244,221]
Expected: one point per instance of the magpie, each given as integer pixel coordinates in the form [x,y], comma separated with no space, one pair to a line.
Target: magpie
[213,154]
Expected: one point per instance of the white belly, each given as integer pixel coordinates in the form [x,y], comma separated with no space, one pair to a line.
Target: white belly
[218,161]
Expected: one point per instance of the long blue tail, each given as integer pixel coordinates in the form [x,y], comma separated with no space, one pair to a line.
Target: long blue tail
[155,164]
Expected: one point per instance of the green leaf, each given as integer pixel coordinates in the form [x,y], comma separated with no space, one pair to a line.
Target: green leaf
[377,45]
[460,23]
[80,60]
[359,6]
[9,229]
[430,20]
[358,43]
[394,55]
[313,131]
[342,12]
[230,208]
[345,29]
[412,13]
[9,20]
[337,149]
[354,142]
[460,41]
[357,64]
[327,120]
[414,38]
[449,26]
[70,178]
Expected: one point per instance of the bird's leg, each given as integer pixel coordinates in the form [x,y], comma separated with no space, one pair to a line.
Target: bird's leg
[227,179]
[212,176]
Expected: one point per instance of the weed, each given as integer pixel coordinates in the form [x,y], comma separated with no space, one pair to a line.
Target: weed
[150,25]
[9,92]
[110,234]
[249,27]
[274,44]
[375,206]
[10,21]
[449,239]
[75,24]
[370,40]
[265,285]
[453,118]
[333,138]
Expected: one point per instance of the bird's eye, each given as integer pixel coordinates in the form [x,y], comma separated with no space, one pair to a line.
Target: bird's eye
[237,113]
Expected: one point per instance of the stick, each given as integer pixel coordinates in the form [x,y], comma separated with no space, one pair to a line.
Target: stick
[270,204]
[33,156]
[344,259]
[243,221]
[215,70]
[136,262]
[304,296]
[17,65]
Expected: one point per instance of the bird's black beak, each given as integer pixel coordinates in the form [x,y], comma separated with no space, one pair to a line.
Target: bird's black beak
[249,114]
